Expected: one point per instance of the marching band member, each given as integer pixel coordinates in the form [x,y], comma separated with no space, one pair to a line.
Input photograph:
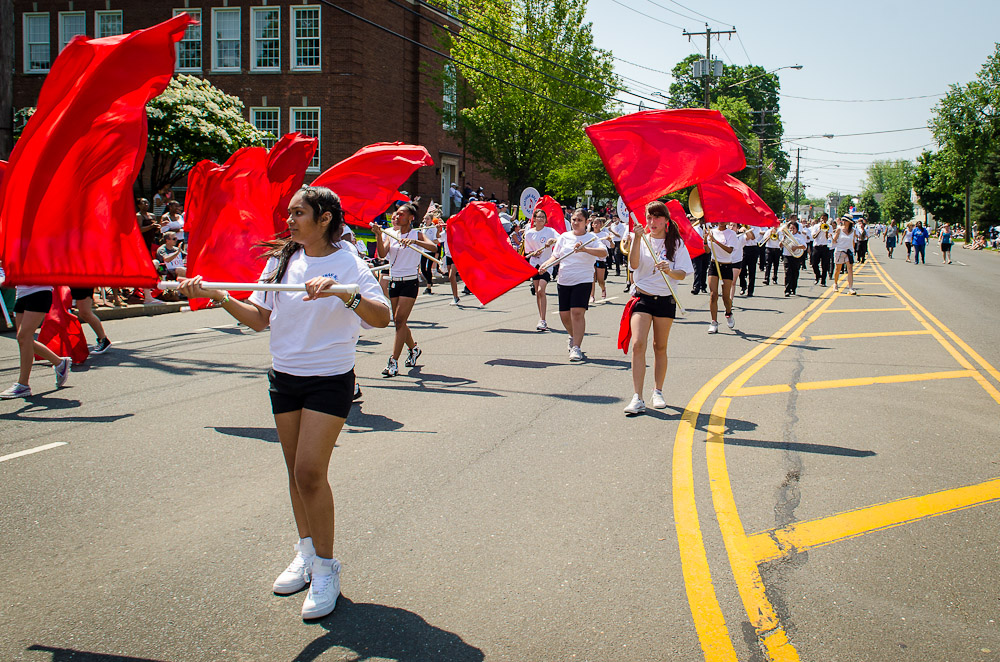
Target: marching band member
[737,256]
[576,274]
[538,243]
[652,304]
[751,255]
[721,249]
[430,230]
[403,282]
[843,246]
[793,265]
[313,341]
[822,259]
[700,262]
[601,266]
[771,256]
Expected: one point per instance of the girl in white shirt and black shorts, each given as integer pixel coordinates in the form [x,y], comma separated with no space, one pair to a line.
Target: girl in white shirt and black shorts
[31,305]
[404,262]
[576,276]
[538,243]
[313,340]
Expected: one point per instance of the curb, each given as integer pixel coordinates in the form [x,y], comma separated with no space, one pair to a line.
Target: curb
[139,310]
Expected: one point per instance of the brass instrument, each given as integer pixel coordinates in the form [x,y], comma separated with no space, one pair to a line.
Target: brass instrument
[694,204]
[787,241]
[825,227]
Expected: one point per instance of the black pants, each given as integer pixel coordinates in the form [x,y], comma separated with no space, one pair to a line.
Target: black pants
[748,274]
[771,258]
[793,265]
[862,250]
[822,263]
[427,270]
[700,272]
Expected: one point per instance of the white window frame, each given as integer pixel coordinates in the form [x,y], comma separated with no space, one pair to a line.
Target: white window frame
[293,127]
[215,42]
[254,11]
[277,116]
[63,41]
[107,12]
[28,44]
[196,13]
[449,94]
[293,40]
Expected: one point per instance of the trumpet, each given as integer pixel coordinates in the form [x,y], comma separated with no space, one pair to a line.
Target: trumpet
[825,227]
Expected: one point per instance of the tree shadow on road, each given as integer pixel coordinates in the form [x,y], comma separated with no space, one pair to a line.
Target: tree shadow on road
[42,402]
[521,363]
[270,435]
[72,655]
[377,631]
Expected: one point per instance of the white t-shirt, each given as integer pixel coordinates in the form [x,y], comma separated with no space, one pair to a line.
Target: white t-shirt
[430,233]
[403,262]
[25,290]
[821,237]
[535,239]
[845,241]
[737,254]
[727,237]
[773,239]
[347,245]
[579,267]
[316,338]
[646,277]
[907,236]
[800,239]
[443,236]
[621,229]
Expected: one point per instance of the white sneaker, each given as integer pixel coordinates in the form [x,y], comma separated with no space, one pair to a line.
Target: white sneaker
[713,327]
[62,371]
[657,400]
[731,321]
[542,326]
[576,354]
[636,406]
[296,575]
[323,590]
[18,390]
[852,291]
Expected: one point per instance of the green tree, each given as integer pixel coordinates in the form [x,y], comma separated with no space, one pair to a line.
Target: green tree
[937,192]
[892,181]
[869,207]
[193,120]
[519,136]
[582,171]
[896,205]
[844,207]
[986,193]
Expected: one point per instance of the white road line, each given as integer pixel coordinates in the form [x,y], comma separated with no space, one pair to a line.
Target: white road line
[963,264]
[39,449]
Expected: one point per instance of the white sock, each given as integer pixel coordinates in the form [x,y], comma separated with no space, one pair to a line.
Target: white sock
[306,547]
[657,391]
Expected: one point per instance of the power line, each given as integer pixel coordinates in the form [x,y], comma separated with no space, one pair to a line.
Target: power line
[698,13]
[642,66]
[895,151]
[866,133]
[658,20]
[924,96]
[672,11]
[740,39]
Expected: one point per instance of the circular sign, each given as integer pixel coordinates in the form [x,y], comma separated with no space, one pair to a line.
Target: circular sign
[529,197]
[622,210]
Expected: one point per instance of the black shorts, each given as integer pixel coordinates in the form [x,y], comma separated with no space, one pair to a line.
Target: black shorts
[79,293]
[602,264]
[36,302]
[403,288]
[655,305]
[547,277]
[448,261]
[725,268]
[327,395]
[574,296]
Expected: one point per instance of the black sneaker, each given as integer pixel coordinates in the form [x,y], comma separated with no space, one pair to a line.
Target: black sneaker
[532,289]
[102,346]
[357,392]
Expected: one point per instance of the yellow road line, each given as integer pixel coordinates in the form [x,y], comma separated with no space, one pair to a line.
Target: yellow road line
[744,564]
[801,536]
[874,334]
[771,389]
[865,310]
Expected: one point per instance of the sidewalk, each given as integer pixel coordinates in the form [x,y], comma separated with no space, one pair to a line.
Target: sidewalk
[126,312]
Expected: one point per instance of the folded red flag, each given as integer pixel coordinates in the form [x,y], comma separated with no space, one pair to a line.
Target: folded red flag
[229,209]
[61,330]
[692,240]
[482,253]
[554,216]
[654,152]
[625,326]
[368,181]
[726,199]
[67,213]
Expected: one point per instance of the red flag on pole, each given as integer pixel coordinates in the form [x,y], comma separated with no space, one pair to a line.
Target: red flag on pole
[482,253]
[229,209]
[726,199]
[61,330]
[654,152]
[692,240]
[67,212]
[368,181]
[554,216]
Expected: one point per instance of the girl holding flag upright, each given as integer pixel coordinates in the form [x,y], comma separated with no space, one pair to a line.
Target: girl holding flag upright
[652,305]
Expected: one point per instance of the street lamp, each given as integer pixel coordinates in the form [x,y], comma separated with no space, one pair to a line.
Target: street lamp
[766,73]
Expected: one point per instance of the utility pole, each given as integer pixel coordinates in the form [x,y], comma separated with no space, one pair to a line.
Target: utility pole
[6,78]
[706,71]
[798,157]
[759,128]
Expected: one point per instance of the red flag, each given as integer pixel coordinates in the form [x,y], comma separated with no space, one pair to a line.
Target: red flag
[728,200]
[625,326]
[483,254]
[692,240]
[61,330]
[229,209]
[67,210]
[554,216]
[654,152]
[369,180]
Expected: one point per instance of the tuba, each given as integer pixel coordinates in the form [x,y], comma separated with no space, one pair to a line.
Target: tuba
[787,241]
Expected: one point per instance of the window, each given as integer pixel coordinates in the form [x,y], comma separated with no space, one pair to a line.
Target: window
[189,48]
[450,105]
[226,43]
[265,48]
[306,122]
[107,23]
[70,25]
[305,38]
[37,55]
[267,119]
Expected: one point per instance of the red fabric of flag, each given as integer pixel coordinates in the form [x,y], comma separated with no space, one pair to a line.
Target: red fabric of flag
[554,216]
[368,181]
[654,152]
[67,212]
[230,209]
[625,326]
[61,330]
[482,253]
[692,240]
[726,199]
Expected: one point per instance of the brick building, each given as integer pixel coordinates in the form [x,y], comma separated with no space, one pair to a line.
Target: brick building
[297,66]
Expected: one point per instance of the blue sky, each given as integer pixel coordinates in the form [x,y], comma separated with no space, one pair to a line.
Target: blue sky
[852,49]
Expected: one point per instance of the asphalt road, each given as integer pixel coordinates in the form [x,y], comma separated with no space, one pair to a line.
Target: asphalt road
[494,503]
